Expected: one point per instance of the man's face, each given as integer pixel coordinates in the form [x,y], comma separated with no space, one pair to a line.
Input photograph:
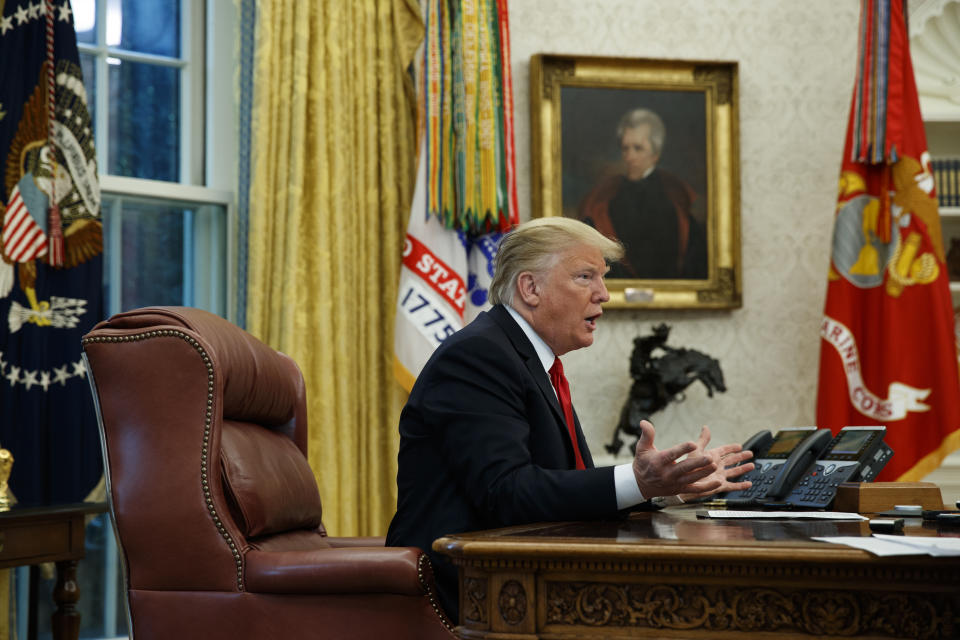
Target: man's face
[570,296]
[637,152]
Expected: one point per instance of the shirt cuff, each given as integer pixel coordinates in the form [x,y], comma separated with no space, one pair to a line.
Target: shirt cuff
[628,493]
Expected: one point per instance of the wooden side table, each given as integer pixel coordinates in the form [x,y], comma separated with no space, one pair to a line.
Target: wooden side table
[55,533]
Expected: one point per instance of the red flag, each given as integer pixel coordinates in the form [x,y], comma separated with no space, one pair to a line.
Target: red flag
[888,350]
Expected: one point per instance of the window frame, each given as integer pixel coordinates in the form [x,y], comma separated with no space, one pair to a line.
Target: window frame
[192,48]
[208,121]
[176,195]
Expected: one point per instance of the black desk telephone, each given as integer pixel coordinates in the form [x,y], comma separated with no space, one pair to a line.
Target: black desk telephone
[857,454]
[803,466]
[779,462]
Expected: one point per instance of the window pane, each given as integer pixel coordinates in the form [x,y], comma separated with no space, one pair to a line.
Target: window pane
[144,140]
[152,238]
[85,20]
[164,253]
[88,67]
[147,27]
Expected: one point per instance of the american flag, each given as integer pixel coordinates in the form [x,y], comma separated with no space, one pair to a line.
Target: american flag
[23,239]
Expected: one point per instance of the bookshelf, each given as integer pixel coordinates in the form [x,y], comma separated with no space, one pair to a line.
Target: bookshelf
[943,140]
[934,30]
[950,224]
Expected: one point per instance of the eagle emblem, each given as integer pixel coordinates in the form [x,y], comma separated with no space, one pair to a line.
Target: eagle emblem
[50,166]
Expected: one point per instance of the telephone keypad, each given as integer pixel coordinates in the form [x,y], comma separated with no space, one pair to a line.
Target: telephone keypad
[818,488]
[762,477]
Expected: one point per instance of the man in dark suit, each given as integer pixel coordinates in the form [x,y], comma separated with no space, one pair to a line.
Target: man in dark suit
[488,437]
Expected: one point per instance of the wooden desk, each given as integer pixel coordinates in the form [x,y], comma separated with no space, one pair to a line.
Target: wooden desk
[670,575]
[33,535]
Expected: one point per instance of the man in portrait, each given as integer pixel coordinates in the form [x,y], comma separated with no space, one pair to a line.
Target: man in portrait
[654,213]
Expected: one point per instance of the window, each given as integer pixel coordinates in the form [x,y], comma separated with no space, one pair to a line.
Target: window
[167,207]
[165,246]
[167,203]
[140,83]
[156,108]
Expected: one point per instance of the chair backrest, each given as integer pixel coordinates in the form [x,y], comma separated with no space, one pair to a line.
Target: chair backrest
[204,438]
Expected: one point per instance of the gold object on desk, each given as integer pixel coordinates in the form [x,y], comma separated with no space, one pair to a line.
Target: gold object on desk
[6,466]
[669,574]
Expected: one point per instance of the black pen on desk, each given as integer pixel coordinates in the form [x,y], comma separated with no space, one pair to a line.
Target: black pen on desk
[933,514]
[710,504]
[742,503]
[951,518]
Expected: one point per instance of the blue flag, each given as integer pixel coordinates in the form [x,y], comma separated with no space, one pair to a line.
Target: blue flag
[50,256]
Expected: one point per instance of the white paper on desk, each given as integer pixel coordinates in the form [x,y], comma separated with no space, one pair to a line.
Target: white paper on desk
[926,544]
[786,515]
[876,546]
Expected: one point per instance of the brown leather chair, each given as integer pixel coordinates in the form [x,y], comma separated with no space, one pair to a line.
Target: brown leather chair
[216,510]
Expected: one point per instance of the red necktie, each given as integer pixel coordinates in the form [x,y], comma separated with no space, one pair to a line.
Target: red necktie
[559,382]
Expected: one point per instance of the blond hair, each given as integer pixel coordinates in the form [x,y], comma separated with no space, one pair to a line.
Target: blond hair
[536,245]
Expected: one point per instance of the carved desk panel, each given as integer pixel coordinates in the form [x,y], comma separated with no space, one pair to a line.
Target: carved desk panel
[670,575]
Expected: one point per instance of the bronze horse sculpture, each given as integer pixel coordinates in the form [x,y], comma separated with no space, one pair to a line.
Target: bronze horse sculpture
[660,375]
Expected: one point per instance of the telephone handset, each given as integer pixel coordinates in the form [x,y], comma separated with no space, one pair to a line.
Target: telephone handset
[758,443]
[798,462]
[856,454]
[781,464]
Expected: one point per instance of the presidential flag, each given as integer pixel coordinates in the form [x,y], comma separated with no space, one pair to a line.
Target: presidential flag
[888,350]
[465,196]
[50,255]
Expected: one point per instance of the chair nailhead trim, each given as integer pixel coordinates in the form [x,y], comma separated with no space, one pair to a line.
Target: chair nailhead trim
[208,421]
[421,562]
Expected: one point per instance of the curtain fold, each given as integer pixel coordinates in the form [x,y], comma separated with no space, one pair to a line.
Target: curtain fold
[333,159]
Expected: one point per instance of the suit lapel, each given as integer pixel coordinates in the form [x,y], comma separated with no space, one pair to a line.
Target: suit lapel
[529,355]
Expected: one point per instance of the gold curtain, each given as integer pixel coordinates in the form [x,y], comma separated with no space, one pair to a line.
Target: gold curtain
[333,162]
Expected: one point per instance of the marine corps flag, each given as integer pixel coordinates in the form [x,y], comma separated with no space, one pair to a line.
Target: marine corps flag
[466,193]
[50,255]
[888,353]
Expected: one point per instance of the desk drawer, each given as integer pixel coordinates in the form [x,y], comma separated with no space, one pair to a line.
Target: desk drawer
[41,541]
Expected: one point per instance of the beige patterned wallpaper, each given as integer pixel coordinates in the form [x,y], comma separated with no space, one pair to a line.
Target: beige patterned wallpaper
[796,65]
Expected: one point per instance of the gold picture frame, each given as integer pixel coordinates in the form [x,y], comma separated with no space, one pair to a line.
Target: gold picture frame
[587,149]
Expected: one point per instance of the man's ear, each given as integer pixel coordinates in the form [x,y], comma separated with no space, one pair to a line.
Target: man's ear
[528,289]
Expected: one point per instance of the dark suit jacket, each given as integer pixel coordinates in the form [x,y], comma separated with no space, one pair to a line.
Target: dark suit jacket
[483,444]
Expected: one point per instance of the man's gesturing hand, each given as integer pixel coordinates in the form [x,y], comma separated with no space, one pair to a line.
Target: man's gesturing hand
[727,458]
[659,474]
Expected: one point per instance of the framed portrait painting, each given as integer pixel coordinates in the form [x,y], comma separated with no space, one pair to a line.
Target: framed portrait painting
[645,151]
